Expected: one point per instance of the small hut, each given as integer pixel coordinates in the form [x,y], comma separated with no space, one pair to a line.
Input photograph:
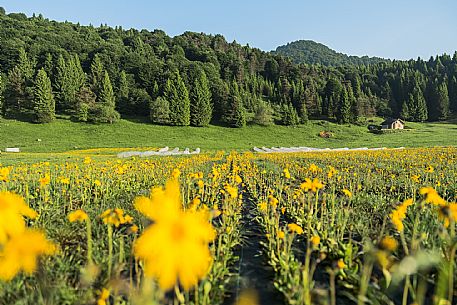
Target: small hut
[393,124]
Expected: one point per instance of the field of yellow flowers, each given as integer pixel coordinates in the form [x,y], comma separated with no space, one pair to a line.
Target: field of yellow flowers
[360,227]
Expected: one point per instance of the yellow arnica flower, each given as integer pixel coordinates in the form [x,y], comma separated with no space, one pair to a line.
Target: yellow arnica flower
[281,234]
[347,193]
[45,180]
[263,207]
[399,214]
[78,215]
[232,191]
[21,251]
[286,173]
[12,210]
[104,295]
[4,173]
[388,243]
[295,228]
[175,247]
[340,264]
[432,196]
[448,212]
[315,240]
[115,217]
[312,186]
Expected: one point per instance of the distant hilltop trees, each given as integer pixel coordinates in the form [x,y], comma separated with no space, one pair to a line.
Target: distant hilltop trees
[99,74]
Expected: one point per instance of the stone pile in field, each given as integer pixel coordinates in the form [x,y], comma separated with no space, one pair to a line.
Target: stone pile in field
[161,152]
[266,150]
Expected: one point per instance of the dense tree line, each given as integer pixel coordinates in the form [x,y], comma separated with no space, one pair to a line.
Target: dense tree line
[98,74]
[311,52]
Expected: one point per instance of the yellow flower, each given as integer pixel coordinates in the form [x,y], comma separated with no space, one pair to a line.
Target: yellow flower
[273,201]
[175,174]
[97,182]
[4,173]
[332,171]
[315,240]
[64,180]
[21,251]
[104,295]
[432,196]
[388,243]
[283,210]
[340,264]
[286,173]
[347,193]
[429,169]
[263,207]
[175,247]
[78,215]
[12,208]
[312,186]
[45,180]
[448,212]
[281,234]
[399,214]
[415,178]
[115,217]
[232,191]
[295,228]
[313,168]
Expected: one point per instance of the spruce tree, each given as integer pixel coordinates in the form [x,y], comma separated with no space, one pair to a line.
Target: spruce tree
[179,102]
[61,84]
[160,111]
[43,102]
[442,102]
[122,95]
[96,74]
[234,112]
[343,114]
[2,98]
[200,109]
[417,106]
[16,93]
[106,106]
[289,115]
[26,65]
[453,92]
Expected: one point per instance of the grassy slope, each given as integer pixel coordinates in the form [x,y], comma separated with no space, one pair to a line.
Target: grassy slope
[64,135]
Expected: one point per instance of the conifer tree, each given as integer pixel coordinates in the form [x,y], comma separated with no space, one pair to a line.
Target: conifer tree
[160,111]
[2,98]
[453,92]
[96,74]
[26,65]
[442,105]
[234,112]
[106,106]
[122,95]
[417,106]
[289,115]
[200,109]
[43,101]
[179,102]
[16,94]
[343,114]
[48,65]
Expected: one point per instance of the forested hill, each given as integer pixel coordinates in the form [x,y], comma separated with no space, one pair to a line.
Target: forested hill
[311,52]
[98,74]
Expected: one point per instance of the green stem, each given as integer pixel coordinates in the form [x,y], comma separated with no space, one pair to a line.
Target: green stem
[110,249]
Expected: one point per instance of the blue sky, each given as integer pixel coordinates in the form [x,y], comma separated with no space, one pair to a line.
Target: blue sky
[399,29]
